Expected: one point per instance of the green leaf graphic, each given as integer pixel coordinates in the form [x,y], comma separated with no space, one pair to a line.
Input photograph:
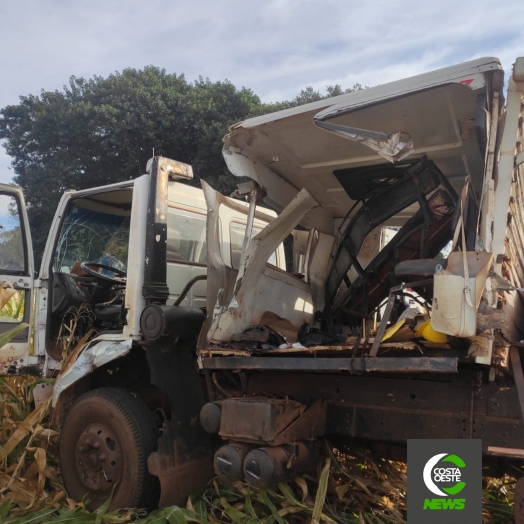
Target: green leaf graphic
[457,488]
[455,460]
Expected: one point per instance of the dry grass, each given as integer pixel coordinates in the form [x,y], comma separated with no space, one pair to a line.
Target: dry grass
[350,488]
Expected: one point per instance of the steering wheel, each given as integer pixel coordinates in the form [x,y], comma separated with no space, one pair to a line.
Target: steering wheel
[88,268]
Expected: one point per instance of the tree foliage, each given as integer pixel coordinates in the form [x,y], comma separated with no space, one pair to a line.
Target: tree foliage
[309,94]
[103,130]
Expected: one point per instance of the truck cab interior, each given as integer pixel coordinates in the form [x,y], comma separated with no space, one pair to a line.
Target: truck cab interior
[88,277]
[395,156]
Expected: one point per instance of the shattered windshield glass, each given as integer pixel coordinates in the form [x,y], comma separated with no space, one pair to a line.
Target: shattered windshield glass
[92,236]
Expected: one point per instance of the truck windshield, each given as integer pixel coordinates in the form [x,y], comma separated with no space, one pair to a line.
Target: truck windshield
[92,236]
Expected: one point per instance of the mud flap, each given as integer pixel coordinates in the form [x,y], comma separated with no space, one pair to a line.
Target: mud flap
[177,482]
[184,460]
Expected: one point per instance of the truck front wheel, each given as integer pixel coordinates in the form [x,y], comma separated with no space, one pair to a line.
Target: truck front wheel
[106,439]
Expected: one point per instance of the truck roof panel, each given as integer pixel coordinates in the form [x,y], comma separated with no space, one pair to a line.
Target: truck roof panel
[438,112]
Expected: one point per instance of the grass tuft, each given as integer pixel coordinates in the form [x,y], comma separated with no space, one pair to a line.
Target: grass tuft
[351,487]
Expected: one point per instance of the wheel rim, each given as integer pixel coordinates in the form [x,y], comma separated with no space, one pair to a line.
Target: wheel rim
[104,444]
[98,458]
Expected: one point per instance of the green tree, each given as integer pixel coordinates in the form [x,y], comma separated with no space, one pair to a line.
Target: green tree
[103,130]
[309,94]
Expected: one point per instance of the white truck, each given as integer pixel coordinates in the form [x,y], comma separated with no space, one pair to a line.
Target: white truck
[283,358]
[112,255]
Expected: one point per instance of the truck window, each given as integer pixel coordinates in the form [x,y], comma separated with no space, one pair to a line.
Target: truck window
[237,231]
[13,305]
[92,236]
[12,259]
[11,241]
[186,236]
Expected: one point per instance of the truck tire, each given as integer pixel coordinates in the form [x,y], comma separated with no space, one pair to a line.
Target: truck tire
[105,442]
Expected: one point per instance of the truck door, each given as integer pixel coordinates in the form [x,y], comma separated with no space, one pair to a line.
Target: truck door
[16,282]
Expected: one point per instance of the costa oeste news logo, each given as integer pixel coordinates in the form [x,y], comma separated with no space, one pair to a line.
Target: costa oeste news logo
[434,476]
[444,481]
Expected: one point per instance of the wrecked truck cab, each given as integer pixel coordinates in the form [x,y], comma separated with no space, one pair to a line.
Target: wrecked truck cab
[392,156]
[435,159]
[117,310]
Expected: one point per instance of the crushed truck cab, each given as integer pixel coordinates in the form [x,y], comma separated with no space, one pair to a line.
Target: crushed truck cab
[380,341]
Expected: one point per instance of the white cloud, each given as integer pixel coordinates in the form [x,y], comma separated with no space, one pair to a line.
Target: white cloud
[276,47]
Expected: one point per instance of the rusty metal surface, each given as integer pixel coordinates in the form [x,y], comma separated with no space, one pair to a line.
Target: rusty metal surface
[310,425]
[272,421]
[184,461]
[179,481]
[257,420]
[321,364]
[519,501]
[518,376]
[314,351]
[392,409]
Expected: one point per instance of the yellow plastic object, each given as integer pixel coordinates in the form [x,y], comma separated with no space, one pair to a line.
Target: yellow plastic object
[392,330]
[428,333]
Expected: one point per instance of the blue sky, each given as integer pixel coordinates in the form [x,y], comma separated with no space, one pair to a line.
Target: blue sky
[276,47]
